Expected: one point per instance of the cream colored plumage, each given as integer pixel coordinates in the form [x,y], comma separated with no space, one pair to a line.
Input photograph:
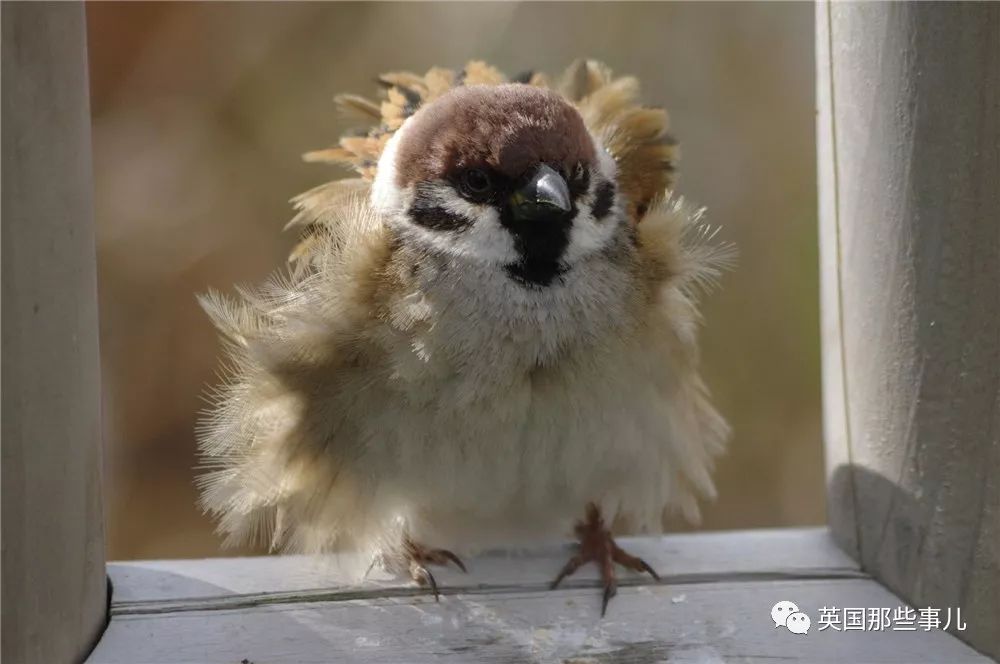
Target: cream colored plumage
[396,386]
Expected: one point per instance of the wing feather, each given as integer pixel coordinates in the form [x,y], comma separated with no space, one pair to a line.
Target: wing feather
[262,440]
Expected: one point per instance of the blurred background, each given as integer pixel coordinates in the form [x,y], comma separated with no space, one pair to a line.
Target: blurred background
[201,111]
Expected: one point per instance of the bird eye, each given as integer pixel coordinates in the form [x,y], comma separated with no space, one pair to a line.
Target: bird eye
[578,171]
[476,183]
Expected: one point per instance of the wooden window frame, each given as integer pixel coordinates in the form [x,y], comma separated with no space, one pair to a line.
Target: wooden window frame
[908,132]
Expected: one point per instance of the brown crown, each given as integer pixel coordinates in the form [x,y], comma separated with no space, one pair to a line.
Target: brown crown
[510,128]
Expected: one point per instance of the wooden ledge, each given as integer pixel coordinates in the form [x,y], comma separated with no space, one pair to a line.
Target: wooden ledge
[712,605]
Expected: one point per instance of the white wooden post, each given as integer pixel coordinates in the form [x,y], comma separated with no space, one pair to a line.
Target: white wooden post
[909,173]
[54,584]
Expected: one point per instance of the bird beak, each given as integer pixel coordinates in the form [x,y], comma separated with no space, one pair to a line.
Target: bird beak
[544,195]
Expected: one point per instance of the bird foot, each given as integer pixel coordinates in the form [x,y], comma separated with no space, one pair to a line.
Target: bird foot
[420,557]
[598,546]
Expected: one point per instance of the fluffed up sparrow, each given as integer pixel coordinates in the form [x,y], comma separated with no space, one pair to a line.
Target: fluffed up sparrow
[489,338]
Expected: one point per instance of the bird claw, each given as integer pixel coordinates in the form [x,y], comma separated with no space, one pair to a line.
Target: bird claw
[610,590]
[420,557]
[569,568]
[598,546]
[452,557]
[424,577]
[647,568]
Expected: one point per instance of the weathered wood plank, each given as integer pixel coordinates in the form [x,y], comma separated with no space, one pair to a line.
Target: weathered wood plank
[909,161]
[54,587]
[790,552]
[701,622]
[713,605]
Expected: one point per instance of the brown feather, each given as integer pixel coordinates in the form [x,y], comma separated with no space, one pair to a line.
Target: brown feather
[317,213]
[636,136]
[473,125]
[478,72]
[366,109]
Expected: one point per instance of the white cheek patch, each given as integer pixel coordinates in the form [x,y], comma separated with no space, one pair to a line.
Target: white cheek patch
[487,240]
[484,239]
[386,196]
[589,235]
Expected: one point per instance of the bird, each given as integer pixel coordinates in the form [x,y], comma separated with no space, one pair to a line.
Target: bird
[487,338]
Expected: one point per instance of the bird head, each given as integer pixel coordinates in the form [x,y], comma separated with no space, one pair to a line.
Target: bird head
[505,175]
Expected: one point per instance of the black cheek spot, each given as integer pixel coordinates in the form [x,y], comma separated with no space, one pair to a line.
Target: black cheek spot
[604,198]
[437,218]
